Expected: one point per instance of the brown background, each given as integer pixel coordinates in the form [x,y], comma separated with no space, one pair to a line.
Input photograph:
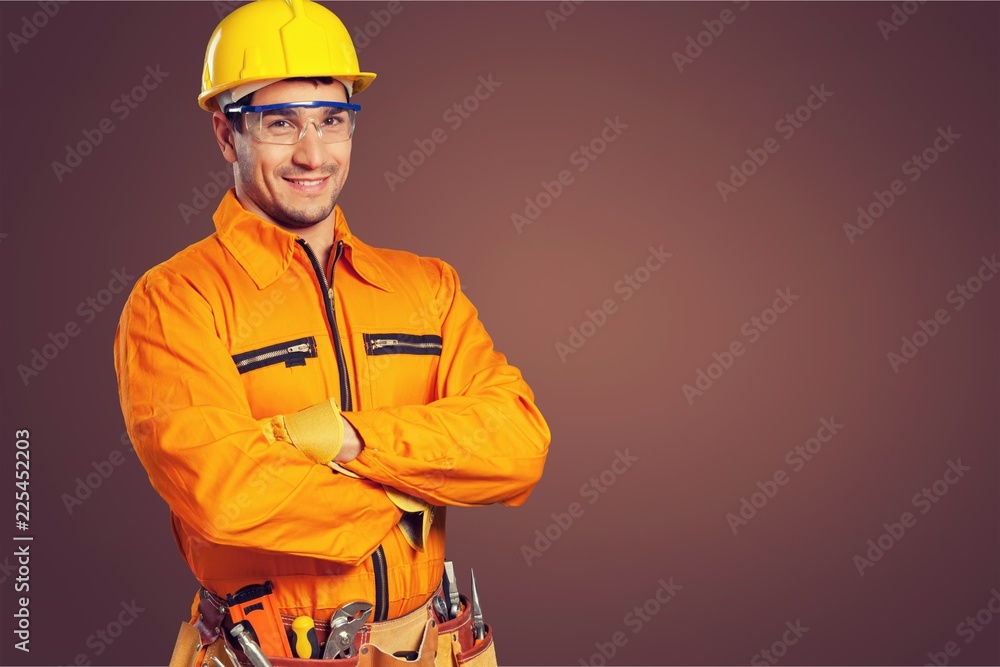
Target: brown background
[656,184]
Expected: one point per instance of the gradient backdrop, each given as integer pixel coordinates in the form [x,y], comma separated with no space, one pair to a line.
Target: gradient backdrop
[892,81]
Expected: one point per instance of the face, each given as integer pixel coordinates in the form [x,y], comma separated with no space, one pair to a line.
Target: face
[269,177]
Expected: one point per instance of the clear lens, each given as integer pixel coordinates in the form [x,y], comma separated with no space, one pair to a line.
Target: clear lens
[288,126]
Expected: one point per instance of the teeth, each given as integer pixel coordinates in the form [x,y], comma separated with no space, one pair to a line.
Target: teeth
[308,182]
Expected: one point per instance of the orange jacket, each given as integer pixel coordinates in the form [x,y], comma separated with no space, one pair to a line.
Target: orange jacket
[235,329]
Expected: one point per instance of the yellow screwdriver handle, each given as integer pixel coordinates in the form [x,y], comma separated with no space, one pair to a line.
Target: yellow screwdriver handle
[303,638]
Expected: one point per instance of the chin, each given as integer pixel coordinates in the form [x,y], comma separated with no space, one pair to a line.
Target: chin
[300,218]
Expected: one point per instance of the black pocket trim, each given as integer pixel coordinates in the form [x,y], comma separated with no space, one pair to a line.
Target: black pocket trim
[401,343]
[291,352]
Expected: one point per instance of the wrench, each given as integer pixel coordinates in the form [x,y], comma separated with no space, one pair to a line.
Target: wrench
[344,627]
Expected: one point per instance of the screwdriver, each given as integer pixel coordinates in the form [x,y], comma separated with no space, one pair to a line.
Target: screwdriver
[303,639]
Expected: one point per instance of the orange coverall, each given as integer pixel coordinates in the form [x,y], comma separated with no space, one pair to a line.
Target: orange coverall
[242,326]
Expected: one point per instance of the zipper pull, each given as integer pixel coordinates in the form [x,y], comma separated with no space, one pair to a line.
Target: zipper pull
[303,347]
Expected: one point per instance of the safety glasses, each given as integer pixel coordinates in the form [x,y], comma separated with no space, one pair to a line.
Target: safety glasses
[287,122]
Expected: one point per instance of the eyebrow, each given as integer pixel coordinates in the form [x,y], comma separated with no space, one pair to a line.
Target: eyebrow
[294,111]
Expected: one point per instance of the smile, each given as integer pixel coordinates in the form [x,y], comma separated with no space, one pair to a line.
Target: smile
[308,185]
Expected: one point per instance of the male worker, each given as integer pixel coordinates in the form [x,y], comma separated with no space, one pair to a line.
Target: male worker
[306,404]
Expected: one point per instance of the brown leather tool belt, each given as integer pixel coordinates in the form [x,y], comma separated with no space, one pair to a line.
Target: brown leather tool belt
[420,638]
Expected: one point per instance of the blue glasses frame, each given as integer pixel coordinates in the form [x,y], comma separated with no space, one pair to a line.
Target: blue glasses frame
[251,108]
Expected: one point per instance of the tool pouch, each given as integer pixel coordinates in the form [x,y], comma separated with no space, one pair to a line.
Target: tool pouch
[195,640]
[457,645]
[481,654]
[373,644]
[189,651]
[372,655]
[186,647]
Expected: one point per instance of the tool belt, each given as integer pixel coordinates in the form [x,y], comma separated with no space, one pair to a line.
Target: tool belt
[420,638]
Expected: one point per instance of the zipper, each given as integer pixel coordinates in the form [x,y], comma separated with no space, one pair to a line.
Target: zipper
[400,343]
[293,353]
[378,557]
[345,387]
[384,342]
[381,585]
[273,355]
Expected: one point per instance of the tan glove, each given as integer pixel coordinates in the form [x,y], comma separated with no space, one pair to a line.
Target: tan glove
[418,515]
[317,431]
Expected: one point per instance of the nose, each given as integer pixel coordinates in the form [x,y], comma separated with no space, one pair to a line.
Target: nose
[309,151]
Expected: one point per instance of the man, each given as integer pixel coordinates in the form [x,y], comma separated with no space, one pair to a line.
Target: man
[306,404]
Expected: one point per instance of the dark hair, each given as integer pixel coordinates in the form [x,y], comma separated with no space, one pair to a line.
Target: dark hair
[236,119]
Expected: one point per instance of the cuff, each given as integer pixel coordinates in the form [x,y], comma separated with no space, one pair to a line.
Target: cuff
[317,431]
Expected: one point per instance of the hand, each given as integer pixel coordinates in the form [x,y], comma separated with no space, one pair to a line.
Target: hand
[352,445]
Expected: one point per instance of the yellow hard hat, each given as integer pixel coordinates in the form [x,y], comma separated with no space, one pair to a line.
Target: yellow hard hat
[269,40]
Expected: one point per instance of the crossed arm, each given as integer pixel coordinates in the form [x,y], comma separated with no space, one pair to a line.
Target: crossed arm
[189,419]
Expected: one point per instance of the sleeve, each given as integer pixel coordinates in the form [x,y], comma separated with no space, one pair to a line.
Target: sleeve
[218,468]
[484,441]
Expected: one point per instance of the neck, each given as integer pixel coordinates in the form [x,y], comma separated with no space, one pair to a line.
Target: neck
[320,236]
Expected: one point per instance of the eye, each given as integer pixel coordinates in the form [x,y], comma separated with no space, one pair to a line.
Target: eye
[275,124]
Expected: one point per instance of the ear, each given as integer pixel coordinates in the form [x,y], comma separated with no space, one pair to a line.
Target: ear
[224,136]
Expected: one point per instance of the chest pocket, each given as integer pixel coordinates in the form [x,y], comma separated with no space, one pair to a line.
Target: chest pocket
[282,377]
[289,353]
[402,367]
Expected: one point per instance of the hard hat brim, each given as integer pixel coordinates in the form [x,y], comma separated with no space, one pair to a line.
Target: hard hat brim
[361,81]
